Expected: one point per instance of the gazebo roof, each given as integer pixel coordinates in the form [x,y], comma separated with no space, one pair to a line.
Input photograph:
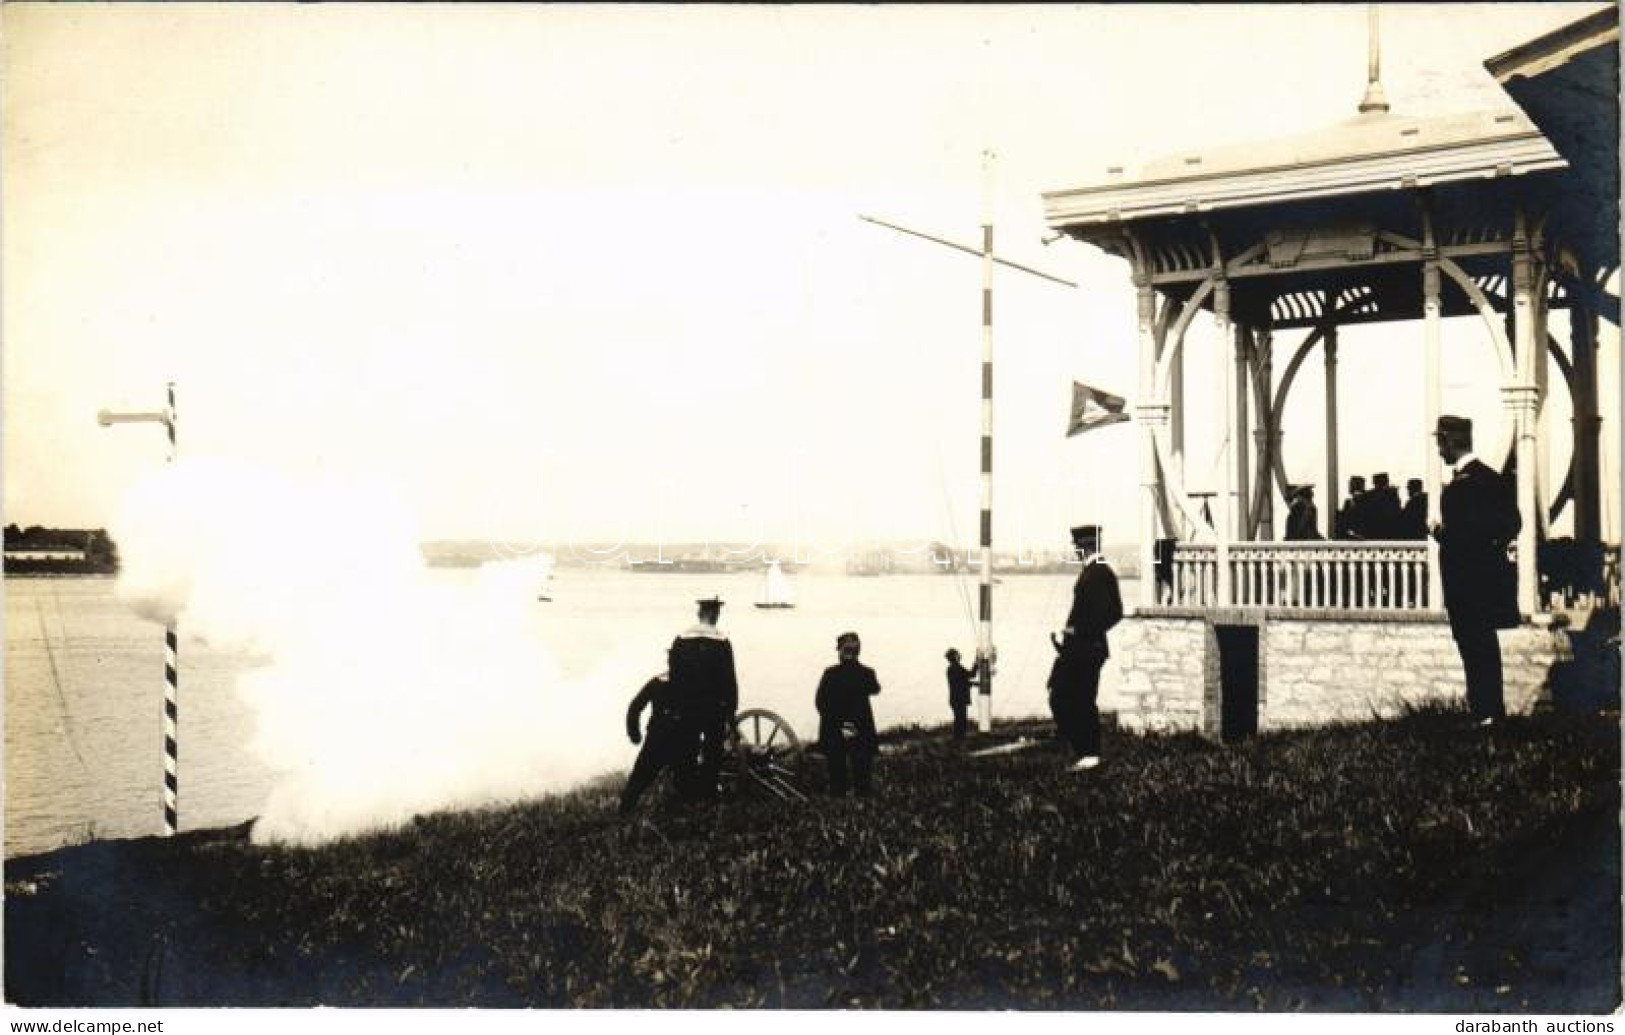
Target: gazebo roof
[1568,83]
[1376,151]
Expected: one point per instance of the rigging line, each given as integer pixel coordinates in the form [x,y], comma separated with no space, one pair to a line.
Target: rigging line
[1049,602]
[63,715]
[958,577]
[953,532]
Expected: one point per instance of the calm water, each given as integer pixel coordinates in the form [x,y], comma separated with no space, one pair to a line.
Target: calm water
[84,688]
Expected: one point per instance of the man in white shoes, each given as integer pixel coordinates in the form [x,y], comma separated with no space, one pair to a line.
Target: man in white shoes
[1081,651]
[1478,519]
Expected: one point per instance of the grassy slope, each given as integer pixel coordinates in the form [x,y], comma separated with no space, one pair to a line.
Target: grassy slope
[1417,864]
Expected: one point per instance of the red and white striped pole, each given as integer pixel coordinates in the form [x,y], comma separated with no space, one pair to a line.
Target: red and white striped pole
[172,714]
[984,632]
[172,685]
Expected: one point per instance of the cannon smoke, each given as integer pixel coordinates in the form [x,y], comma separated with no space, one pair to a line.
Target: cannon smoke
[378,693]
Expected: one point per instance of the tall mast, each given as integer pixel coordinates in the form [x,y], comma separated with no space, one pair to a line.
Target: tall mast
[984,631]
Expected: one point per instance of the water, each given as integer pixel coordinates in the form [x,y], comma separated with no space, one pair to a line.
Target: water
[84,679]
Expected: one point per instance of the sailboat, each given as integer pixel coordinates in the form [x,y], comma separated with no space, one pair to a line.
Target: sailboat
[775,588]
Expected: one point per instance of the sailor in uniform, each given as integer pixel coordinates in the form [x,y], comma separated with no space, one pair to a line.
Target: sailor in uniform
[960,680]
[668,744]
[701,662]
[842,700]
[1081,650]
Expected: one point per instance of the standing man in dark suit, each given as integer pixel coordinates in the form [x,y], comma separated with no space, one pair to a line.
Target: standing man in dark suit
[960,680]
[701,662]
[1081,650]
[1352,520]
[1478,518]
[1413,518]
[1302,516]
[843,701]
[1382,509]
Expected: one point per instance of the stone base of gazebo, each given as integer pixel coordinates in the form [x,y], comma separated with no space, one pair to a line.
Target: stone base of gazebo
[1224,672]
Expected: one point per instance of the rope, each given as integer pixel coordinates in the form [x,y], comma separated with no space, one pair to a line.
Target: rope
[953,533]
[63,715]
[1026,662]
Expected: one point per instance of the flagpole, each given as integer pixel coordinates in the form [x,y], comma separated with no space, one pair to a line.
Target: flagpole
[984,635]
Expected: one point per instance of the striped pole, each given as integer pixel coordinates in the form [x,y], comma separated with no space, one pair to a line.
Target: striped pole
[172,714]
[984,635]
[172,710]
[984,632]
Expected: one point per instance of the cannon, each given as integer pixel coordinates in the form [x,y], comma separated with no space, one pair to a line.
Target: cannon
[763,758]
[759,760]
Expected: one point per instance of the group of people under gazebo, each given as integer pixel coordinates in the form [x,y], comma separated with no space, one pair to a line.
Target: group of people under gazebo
[1370,514]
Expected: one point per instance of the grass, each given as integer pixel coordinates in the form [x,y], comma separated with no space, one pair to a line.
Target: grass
[1414,864]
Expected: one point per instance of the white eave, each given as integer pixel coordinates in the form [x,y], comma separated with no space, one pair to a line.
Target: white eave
[1372,152]
[1558,47]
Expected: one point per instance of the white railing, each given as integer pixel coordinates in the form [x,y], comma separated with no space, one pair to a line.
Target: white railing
[1314,575]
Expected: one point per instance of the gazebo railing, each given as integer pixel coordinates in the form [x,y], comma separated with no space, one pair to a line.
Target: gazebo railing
[1312,575]
[1579,576]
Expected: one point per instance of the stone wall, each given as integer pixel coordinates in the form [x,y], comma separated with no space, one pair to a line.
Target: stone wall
[1310,671]
[1161,673]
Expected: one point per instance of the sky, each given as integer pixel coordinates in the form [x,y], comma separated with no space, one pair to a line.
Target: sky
[591,273]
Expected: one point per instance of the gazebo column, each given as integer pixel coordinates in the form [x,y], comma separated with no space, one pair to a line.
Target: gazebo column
[1587,425]
[1267,437]
[1226,518]
[1432,404]
[1541,310]
[1152,414]
[1520,400]
[1333,489]
[1240,443]
[1176,424]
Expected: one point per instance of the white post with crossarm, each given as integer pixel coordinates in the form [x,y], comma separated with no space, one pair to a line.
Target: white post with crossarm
[172,775]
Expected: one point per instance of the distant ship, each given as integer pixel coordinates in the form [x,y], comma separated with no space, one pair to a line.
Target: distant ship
[680,566]
[775,588]
[872,562]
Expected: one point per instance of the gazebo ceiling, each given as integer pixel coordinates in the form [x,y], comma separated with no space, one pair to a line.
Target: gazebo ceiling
[1284,260]
[1367,294]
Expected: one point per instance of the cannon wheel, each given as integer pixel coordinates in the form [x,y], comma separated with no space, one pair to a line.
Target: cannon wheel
[766,750]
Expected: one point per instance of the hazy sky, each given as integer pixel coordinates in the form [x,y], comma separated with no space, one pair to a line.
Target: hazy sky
[597,271]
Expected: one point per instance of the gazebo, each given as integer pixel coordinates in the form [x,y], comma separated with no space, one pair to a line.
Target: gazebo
[1382,218]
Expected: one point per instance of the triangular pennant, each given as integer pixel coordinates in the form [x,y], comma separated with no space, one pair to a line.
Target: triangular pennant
[1093,408]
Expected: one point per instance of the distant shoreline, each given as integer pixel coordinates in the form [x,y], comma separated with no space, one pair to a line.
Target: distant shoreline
[61,574]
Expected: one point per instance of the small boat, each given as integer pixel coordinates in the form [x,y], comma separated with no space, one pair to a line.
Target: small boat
[775,588]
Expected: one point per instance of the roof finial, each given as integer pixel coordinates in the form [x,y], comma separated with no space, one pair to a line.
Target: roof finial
[1374,99]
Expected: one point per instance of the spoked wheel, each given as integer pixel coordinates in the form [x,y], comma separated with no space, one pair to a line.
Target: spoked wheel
[765,754]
